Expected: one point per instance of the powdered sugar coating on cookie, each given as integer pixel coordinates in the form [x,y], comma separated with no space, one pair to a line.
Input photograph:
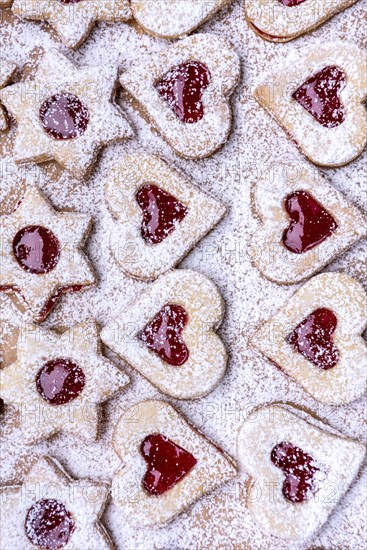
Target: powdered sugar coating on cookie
[7,69]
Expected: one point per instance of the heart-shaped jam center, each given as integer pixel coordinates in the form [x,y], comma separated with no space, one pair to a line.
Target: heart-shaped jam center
[291,3]
[163,335]
[302,474]
[60,381]
[64,116]
[162,213]
[313,338]
[49,525]
[182,88]
[36,249]
[310,223]
[167,463]
[319,95]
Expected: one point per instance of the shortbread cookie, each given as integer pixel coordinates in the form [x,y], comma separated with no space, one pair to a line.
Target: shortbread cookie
[7,70]
[319,102]
[5,3]
[316,338]
[299,470]
[283,20]
[65,114]
[50,510]
[73,19]
[60,378]
[168,335]
[160,215]
[41,256]
[184,92]
[167,463]
[306,223]
[174,18]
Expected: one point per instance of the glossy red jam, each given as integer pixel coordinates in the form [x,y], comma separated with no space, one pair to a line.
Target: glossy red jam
[66,2]
[60,381]
[182,88]
[310,223]
[167,463]
[36,249]
[163,335]
[64,116]
[319,95]
[299,469]
[162,213]
[49,525]
[291,3]
[313,338]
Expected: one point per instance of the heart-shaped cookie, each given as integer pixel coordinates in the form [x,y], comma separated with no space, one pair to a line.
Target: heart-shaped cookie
[140,336]
[305,223]
[160,215]
[316,338]
[319,101]
[299,470]
[167,463]
[162,88]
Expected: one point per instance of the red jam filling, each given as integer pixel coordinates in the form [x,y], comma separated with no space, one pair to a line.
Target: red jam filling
[310,223]
[167,463]
[60,381]
[36,249]
[163,335]
[299,469]
[313,338]
[66,2]
[182,88]
[319,95]
[162,213]
[49,525]
[291,3]
[64,116]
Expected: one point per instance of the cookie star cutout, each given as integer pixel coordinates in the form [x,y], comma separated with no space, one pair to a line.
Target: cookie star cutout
[52,510]
[59,380]
[7,70]
[73,19]
[66,114]
[41,256]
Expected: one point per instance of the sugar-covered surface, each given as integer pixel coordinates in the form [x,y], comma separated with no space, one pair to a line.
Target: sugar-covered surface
[219,519]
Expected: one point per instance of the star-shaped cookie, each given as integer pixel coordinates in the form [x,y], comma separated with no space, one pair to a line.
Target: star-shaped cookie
[73,19]
[6,72]
[66,114]
[52,510]
[41,255]
[59,380]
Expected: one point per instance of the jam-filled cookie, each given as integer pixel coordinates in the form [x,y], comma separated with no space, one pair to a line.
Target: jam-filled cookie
[168,334]
[66,114]
[184,92]
[50,510]
[316,338]
[7,70]
[319,101]
[306,223]
[160,215]
[299,470]
[167,463]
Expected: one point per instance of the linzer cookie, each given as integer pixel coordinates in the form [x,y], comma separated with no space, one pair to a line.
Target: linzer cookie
[50,510]
[283,20]
[66,114]
[160,215]
[168,463]
[7,70]
[41,254]
[316,338]
[306,223]
[73,19]
[299,470]
[319,101]
[55,382]
[168,335]
[184,92]
[174,18]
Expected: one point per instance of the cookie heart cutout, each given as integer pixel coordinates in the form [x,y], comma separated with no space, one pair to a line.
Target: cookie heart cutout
[167,463]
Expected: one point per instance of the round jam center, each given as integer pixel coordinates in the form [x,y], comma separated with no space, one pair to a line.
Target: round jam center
[60,381]
[49,525]
[36,249]
[64,116]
